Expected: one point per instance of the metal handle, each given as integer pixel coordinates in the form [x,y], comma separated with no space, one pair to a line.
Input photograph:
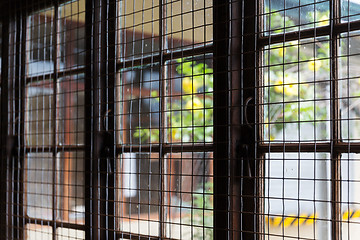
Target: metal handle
[247,101]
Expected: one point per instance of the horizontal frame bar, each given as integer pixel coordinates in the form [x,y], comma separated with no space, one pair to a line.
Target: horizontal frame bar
[69,72]
[29,6]
[166,148]
[340,147]
[309,33]
[153,59]
[59,148]
[129,235]
[58,224]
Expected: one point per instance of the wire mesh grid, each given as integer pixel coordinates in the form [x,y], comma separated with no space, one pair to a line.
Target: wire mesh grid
[111,125]
[45,107]
[164,117]
[307,119]
[109,120]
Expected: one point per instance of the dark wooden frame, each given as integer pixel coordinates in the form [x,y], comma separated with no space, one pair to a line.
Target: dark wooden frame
[100,148]
[335,146]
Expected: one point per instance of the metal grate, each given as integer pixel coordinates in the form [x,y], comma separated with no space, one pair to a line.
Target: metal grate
[192,119]
[43,121]
[165,123]
[107,124]
[307,119]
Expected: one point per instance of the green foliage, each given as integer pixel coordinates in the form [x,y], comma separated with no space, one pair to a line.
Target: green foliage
[290,86]
[278,22]
[203,211]
[319,18]
[191,116]
[290,89]
[144,134]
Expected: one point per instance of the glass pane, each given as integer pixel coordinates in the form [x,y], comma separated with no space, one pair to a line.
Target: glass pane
[296,91]
[39,185]
[71,34]
[71,175]
[190,100]
[297,195]
[38,114]
[69,234]
[138,102]
[189,23]
[350,10]
[139,28]
[36,231]
[40,48]
[350,197]
[139,193]
[70,110]
[190,194]
[282,16]
[349,85]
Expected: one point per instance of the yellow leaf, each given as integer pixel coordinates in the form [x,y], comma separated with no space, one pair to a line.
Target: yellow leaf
[314,65]
[189,85]
[194,103]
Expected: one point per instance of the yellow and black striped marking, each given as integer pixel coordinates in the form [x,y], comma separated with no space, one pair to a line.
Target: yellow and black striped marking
[305,219]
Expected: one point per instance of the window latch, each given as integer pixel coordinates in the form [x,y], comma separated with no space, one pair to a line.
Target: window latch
[243,153]
[246,105]
[103,150]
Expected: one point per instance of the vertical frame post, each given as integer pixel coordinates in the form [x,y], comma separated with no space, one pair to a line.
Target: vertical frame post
[99,114]
[10,139]
[248,139]
[89,126]
[335,123]
[222,165]
[110,117]
[4,130]
[17,122]
[235,117]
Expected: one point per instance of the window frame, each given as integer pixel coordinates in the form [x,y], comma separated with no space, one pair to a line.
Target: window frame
[334,146]
[13,117]
[100,29]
